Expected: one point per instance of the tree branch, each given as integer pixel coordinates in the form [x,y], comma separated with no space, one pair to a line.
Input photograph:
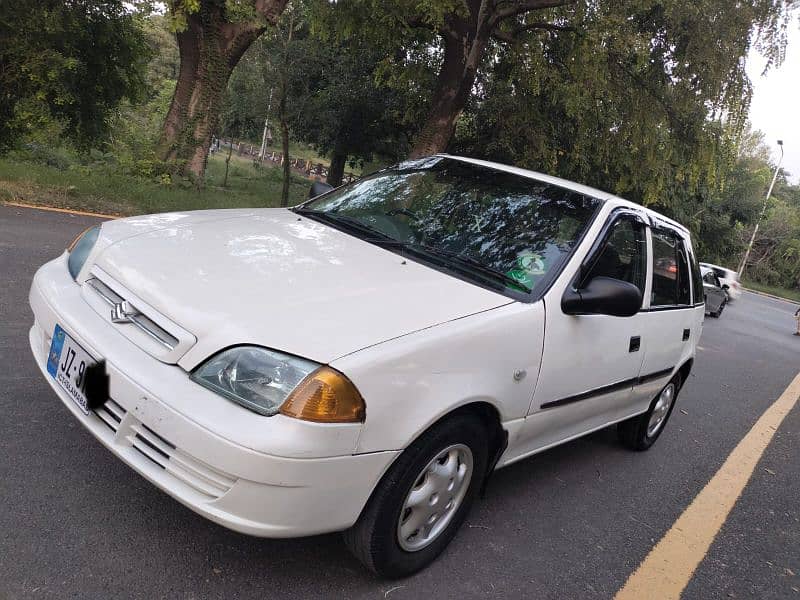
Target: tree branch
[270,9]
[417,21]
[513,35]
[519,8]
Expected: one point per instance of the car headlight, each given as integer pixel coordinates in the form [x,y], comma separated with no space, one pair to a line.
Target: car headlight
[268,382]
[80,248]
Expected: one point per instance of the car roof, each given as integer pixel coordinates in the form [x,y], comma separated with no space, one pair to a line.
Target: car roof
[571,185]
[713,266]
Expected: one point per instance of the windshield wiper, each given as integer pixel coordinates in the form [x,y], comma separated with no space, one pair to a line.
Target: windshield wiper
[481,268]
[347,222]
[463,263]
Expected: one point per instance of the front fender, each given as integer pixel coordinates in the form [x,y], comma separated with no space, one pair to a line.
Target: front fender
[411,382]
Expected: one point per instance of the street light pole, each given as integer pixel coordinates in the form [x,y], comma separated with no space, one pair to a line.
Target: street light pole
[761,214]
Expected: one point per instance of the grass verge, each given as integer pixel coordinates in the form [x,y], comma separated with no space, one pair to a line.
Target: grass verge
[774,290]
[104,189]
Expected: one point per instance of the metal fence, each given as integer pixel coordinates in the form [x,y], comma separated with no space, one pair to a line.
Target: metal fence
[301,166]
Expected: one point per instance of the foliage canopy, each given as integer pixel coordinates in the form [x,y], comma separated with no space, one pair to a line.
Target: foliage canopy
[68,64]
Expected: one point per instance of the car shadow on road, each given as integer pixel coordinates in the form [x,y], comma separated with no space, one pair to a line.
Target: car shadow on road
[293,564]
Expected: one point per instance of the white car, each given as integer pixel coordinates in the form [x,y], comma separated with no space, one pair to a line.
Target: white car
[728,279]
[362,362]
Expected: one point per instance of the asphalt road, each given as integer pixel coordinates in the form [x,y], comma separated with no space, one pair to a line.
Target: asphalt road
[573,522]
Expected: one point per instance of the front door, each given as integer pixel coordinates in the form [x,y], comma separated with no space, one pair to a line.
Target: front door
[591,363]
[713,292]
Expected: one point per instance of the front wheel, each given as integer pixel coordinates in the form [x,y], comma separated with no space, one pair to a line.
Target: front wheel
[422,500]
[641,432]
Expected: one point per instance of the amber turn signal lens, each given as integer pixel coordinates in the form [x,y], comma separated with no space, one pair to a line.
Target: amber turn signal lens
[325,396]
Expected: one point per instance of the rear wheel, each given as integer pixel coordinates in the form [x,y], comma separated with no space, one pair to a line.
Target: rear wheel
[641,432]
[422,500]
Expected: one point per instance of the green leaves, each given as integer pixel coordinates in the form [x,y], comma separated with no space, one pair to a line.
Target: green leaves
[70,63]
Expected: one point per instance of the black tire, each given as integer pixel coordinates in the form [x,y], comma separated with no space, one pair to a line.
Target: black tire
[718,314]
[374,537]
[633,432]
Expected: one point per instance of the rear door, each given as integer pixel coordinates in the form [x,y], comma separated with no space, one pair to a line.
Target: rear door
[671,321]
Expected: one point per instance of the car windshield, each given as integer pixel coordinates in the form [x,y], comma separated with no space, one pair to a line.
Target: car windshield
[497,229]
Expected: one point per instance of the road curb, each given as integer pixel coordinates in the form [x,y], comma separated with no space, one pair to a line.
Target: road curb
[81,213]
[773,296]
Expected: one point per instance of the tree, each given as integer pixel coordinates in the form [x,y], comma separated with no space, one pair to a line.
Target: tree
[212,36]
[465,35]
[70,63]
[468,36]
[346,112]
[285,36]
[461,31]
[632,100]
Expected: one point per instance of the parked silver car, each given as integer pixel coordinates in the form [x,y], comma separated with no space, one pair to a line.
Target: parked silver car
[728,279]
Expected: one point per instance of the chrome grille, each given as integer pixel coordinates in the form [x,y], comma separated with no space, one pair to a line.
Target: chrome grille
[146,325]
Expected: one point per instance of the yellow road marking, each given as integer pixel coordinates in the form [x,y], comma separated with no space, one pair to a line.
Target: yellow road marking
[666,571]
[81,213]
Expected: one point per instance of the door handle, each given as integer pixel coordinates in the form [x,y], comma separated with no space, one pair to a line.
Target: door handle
[636,343]
[686,334]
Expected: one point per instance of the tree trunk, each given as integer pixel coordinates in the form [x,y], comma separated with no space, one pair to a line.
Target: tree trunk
[336,170]
[287,167]
[210,47]
[228,163]
[464,44]
[466,35]
[283,123]
[283,113]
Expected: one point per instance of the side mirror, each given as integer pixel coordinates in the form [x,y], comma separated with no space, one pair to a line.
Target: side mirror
[318,188]
[726,287]
[603,296]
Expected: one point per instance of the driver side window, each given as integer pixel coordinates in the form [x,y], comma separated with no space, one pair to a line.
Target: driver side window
[709,277]
[623,255]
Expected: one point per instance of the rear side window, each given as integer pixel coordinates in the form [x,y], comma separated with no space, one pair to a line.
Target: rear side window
[671,273]
[697,282]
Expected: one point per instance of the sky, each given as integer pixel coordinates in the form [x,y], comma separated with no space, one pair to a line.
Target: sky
[775,108]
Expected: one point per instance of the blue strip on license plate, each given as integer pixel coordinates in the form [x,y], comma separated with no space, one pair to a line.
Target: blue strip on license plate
[68,363]
[55,351]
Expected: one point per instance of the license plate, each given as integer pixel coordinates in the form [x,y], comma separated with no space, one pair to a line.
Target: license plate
[67,364]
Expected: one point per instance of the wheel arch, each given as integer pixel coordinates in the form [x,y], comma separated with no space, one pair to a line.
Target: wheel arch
[487,413]
[685,369]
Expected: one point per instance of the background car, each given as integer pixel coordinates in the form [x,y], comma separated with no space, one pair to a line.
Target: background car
[715,293]
[729,280]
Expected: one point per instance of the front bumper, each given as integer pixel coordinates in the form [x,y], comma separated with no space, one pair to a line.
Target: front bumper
[227,480]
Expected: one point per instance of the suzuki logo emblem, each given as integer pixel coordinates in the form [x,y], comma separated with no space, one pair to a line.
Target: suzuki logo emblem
[123,312]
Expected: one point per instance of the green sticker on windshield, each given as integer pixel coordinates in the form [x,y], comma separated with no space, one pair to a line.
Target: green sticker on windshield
[530,262]
[527,266]
[522,277]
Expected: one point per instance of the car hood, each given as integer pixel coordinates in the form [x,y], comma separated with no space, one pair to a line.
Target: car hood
[272,278]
